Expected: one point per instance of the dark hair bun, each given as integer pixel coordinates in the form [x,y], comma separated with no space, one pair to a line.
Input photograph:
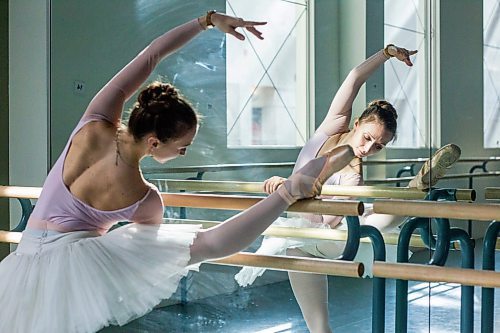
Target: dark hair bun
[160,109]
[157,92]
[384,106]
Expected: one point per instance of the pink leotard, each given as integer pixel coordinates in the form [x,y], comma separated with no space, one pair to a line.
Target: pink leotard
[57,208]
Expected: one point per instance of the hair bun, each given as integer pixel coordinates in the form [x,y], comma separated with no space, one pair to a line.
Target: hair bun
[161,110]
[157,92]
[384,106]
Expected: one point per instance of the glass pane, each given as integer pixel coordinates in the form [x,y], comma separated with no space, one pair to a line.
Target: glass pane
[491,31]
[405,86]
[266,80]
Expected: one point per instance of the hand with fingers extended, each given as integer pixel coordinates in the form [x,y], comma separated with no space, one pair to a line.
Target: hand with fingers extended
[399,53]
[229,24]
[272,184]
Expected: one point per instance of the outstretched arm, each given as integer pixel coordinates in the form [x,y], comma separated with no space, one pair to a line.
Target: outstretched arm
[339,115]
[108,103]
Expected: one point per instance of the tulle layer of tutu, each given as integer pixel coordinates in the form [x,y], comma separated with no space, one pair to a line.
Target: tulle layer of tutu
[82,282]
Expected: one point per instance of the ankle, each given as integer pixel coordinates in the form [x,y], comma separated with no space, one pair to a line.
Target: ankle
[284,192]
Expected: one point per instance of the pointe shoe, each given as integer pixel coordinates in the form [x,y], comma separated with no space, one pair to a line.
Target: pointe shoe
[435,168]
[308,180]
[337,159]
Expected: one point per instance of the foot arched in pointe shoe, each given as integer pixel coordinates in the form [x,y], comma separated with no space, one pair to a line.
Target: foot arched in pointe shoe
[435,167]
[308,180]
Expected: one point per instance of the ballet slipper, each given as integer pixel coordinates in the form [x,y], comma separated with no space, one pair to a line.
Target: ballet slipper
[435,167]
[307,181]
[337,159]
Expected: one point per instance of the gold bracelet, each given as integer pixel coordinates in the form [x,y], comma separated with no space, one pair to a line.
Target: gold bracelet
[208,19]
[386,50]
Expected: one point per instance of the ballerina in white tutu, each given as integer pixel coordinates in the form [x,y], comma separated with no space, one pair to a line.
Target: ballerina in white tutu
[69,274]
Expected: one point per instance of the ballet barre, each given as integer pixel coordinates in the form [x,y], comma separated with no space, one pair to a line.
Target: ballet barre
[318,233]
[419,272]
[230,202]
[306,233]
[235,202]
[297,264]
[331,190]
[13,237]
[449,210]
[492,193]
[274,231]
[20,192]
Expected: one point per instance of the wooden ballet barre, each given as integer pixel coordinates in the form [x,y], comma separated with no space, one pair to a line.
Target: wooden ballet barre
[492,193]
[327,234]
[317,233]
[276,231]
[22,192]
[333,207]
[233,202]
[10,237]
[309,233]
[297,264]
[429,273]
[321,234]
[443,209]
[333,190]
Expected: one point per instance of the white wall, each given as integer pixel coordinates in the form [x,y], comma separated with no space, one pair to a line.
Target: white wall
[28,94]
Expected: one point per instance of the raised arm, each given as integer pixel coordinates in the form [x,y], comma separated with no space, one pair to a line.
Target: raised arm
[109,101]
[339,115]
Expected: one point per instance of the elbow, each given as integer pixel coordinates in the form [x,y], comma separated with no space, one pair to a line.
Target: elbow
[207,248]
[355,77]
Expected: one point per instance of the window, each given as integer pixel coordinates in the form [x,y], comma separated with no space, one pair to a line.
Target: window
[491,70]
[267,81]
[257,126]
[405,87]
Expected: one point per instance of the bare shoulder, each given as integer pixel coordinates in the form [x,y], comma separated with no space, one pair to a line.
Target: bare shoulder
[95,134]
[93,142]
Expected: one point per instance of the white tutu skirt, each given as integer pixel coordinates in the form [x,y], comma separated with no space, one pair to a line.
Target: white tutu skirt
[82,282]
